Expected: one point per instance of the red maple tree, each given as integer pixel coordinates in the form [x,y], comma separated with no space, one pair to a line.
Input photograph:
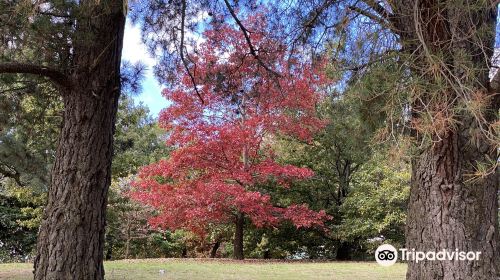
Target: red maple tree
[223,155]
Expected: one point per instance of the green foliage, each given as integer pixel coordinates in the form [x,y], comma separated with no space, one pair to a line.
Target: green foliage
[20,214]
[138,142]
[29,127]
[354,182]
[288,242]
[335,155]
[127,232]
[381,95]
[364,193]
[45,38]
[138,139]
[376,205]
[28,137]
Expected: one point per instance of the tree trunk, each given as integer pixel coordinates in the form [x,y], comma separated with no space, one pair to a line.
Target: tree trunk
[446,213]
[71,238]
[344,251]
[128,238]
[109,251]
[449,45]
[238,237]
[267,254]
[215,247]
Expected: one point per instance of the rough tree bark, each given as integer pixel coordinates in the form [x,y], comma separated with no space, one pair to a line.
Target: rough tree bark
[238,236]
[71,238]
[446,211]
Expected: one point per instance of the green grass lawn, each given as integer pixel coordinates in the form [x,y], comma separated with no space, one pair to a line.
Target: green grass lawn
[192,269]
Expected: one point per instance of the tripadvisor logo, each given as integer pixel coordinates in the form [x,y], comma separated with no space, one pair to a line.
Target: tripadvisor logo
[387,255]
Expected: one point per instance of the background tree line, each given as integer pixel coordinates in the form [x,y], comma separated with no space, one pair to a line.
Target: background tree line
[362,184]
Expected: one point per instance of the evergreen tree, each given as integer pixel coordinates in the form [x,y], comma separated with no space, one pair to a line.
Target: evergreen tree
[77,46]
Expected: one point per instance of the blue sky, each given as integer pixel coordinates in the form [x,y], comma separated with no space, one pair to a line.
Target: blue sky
[134,50]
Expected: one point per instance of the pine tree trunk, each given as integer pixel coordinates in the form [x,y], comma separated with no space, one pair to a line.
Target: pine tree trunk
[449,45]
[71,238]
[238,237]
[447,213]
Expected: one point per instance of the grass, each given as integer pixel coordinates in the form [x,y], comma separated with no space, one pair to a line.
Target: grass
[204,269]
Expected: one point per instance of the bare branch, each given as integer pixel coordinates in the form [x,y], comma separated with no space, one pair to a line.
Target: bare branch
[379,9]
[311,22]
[53,14]
[384,18]
[245,32]
[316,13]
[11,173]
[181,51]
[25,68]
[375,18]
[379,58]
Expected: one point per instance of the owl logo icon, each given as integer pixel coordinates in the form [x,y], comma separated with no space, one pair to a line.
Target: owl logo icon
[386,255]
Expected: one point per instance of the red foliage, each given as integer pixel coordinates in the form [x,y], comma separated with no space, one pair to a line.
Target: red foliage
[223,152]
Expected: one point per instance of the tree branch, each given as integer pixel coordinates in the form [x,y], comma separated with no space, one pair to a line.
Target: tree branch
[495,82]
[384,18]
[181,51]
[316,13]
[52,14]
[11,174]
[25,68]
[379,9]
[375,18]
[245,32]
[311,22]
[379,58]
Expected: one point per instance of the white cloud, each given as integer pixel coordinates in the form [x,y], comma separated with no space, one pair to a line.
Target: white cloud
[134,49]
